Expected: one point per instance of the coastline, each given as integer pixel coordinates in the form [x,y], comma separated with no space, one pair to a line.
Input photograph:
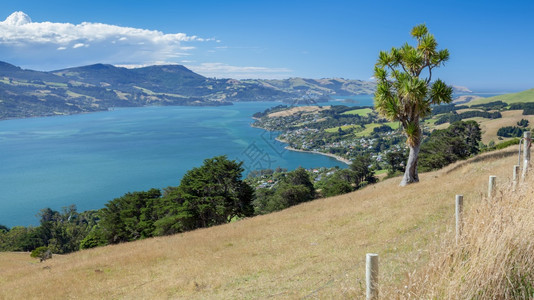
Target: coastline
[337,157]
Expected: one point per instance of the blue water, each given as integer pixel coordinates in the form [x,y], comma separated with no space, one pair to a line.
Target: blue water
[90,159]
[357,100]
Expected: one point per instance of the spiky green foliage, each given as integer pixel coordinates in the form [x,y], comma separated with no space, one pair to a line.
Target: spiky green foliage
[405,90]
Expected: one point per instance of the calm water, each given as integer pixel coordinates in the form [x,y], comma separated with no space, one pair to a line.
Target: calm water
[90,159]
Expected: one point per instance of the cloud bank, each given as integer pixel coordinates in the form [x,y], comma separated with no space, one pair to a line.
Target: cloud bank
[22,39]
[220,70]
[49,46]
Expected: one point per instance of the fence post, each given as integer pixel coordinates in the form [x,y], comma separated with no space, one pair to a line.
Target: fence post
[515,178]
[459,218]
[526,153]
[371,276]
[491,185]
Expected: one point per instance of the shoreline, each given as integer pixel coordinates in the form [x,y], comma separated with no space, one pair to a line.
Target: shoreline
[337,157]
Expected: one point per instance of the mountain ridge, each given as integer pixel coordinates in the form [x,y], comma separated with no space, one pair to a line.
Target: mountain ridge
[97,87]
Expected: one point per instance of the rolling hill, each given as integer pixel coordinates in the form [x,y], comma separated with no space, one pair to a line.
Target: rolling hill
[326,86]
[98,87]
[524,96]
[313,250]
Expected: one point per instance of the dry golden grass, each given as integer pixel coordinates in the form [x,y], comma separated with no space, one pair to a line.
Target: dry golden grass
[509,118]
[490,127]
[468,109]
[294,110]
[493,259]
[314,250]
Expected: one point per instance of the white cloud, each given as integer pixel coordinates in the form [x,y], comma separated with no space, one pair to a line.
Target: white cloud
[20,39]
[220,70]
[52,46]
[135,66]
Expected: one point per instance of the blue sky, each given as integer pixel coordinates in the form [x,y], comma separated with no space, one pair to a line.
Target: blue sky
[491,42]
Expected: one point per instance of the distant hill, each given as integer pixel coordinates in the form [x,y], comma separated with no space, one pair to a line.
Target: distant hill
[326,86]
[28,93]
[461,89]
[524,96]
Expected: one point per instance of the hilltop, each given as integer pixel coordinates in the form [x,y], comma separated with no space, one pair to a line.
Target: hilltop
[316,249]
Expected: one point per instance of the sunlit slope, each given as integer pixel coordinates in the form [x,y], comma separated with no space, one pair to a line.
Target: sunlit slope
[316,249]
[524,96]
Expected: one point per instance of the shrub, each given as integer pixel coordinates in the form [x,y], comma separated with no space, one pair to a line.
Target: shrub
[522,123]
[510,131]
[95,238]
[43,253]
[502,145]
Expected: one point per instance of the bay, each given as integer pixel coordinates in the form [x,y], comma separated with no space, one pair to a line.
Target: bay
[89,159]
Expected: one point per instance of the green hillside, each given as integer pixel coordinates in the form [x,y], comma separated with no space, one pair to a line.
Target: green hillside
[524,96]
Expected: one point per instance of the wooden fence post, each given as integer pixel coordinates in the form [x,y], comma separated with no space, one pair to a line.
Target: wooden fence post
[371,276]
[491,186]
[515,178]
[526,153]
[459,218]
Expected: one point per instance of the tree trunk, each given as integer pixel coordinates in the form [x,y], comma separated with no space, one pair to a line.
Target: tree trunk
[410,175]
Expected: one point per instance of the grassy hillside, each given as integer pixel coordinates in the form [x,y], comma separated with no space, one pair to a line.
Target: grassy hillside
[492,259]
[316,249]
[524,96]
[490,127]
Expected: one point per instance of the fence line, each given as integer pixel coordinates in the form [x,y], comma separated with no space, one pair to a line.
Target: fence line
[371,266]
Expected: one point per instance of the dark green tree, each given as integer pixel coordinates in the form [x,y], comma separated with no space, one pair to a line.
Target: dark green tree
[362,171]
[510,131]
[336,185]
[173,214]
[263,201]
[405,91]
[95,238]
[445,146]
[20,238]
[129,217]
[395,161]
[288,195]
[215,193]
[523,123]
[292,188]
[301,177]
[63,231]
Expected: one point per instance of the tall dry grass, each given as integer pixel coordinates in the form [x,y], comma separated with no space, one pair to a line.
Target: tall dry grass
[494,257]
[311,251]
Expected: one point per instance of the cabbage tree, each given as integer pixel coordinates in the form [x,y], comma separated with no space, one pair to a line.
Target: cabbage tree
[405,90]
